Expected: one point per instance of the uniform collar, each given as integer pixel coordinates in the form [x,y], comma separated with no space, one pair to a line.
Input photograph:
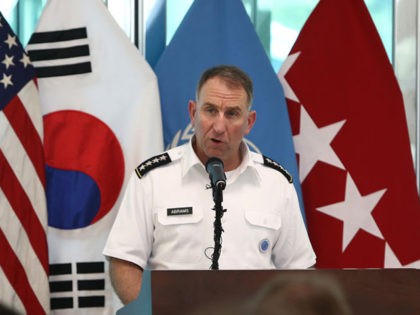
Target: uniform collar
[247,164]
[190,159]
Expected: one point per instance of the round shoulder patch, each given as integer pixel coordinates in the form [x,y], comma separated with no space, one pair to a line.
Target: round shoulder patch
[274,165]
[152,163]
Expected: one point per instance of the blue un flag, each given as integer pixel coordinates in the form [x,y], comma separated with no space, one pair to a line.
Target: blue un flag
[217,32]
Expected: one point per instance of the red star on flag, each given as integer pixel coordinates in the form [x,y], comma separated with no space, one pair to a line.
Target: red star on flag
[351,139]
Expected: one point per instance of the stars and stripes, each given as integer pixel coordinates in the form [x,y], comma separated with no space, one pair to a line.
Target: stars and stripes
[23,215]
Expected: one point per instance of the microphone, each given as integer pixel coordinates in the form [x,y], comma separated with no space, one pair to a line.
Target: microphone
[214,167]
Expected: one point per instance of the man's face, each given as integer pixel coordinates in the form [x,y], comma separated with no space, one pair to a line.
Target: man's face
[221,119]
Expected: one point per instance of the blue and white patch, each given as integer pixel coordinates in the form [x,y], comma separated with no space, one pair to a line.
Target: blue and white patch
[264,245]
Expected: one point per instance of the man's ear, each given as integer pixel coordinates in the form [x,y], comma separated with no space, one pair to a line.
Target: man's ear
[252,117]
[192,109]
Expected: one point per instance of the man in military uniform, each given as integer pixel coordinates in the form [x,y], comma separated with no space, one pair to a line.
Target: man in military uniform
[166,217]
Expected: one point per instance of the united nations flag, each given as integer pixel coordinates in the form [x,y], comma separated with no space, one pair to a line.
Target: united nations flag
[217,32]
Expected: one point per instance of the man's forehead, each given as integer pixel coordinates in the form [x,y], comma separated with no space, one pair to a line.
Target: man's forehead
[218,89]
[221,82]
[222,93]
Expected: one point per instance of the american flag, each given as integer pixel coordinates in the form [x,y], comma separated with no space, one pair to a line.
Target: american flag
[23,215]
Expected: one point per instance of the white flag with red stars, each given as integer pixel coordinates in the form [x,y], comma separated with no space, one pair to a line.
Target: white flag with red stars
[351,139]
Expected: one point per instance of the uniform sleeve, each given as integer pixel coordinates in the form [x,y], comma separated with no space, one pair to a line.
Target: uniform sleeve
[293,249]
[131,235]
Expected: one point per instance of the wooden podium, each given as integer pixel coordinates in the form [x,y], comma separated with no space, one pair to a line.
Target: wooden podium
[369,291]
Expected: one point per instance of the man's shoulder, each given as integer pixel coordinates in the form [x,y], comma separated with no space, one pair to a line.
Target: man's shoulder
[272,164]
[157,161]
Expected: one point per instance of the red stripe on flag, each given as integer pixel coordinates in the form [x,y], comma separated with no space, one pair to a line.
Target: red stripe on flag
[27,134]
[22,206]
[15,272]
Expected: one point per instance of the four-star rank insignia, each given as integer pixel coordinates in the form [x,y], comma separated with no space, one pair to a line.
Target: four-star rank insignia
[273,164]
[152,163]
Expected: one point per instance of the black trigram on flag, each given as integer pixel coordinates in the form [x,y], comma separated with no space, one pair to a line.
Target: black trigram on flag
[60,53]
[80,288]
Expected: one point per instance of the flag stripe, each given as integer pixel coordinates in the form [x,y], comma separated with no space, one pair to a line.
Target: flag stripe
[61,303]
[18,240]
[60,269]
[56,71]
[30,185]
[61,62]
[90,267]
[61,286]
[22,206]
[91,284]
[59,53]
[57,36]
[91,301]
[54,45]
[8,294]
[16,275]
[28,136]
[29,97]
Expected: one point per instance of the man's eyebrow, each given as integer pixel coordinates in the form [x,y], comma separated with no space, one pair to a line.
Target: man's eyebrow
[235,108]
[228,107]
[209,104]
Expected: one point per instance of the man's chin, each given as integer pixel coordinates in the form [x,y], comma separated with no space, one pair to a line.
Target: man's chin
[215,153]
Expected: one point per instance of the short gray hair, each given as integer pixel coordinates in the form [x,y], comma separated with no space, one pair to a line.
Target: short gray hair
[232,75]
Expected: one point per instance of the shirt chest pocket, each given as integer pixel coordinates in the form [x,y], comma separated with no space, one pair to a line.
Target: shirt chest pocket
[177,236]
[263,219]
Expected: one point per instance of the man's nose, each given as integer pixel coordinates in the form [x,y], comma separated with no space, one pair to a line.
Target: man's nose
[219,124]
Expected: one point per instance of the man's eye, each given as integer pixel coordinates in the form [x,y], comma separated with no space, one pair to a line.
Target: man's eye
[211,110]
[232,113]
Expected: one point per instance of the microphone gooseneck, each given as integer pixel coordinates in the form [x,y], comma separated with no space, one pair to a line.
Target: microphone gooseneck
[215,168]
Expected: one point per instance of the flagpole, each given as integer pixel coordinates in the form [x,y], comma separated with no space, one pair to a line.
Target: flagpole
[136,23]
[139,29]
[406,14]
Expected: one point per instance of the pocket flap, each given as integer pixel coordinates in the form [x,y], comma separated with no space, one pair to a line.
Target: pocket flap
[264,219]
